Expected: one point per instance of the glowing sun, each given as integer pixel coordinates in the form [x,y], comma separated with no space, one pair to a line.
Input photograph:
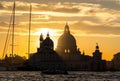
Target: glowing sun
[44,31]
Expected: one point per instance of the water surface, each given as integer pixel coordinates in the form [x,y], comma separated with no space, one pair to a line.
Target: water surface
[72,76]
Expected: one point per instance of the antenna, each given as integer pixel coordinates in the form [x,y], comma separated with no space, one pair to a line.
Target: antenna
[29,31]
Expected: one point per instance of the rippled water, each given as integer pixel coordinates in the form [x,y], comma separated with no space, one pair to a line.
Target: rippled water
[72,76]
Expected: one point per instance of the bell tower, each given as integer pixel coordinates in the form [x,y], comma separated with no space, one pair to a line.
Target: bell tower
[97,55]
[41,39]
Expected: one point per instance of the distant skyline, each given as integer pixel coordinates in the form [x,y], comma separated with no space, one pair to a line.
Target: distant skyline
[90,21]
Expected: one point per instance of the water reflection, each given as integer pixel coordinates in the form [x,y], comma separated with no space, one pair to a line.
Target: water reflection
[73,76]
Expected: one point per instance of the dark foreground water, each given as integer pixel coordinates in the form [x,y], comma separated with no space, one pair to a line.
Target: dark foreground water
[72,76]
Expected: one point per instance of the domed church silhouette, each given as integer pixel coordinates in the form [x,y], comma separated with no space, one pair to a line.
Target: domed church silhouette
[67,42]
[66,56]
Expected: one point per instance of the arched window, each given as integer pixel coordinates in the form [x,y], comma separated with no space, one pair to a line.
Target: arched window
[68,50]
[65,51]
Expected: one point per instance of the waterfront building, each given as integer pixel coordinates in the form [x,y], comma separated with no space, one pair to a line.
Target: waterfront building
[115,63]
[46,57]
[66,56]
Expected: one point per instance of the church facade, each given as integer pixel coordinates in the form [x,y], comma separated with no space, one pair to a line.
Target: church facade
[66,56]
[72,56]
[46,57]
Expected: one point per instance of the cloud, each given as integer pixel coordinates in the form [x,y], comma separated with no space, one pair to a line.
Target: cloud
[96,29]
[92,17]
[1,6]
[56,7]
[20,6]
[67,10]
[61,7]
[24,6]
[3,24]
[111,4]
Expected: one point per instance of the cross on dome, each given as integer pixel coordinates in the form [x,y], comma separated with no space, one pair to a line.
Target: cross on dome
[97,47]
[66,28]
[48,34]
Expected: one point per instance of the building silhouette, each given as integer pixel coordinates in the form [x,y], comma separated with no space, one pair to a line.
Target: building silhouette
[46,57]
[68,51]
[115,62]
[66,56]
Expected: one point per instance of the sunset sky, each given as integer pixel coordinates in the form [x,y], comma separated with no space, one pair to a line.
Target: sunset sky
[90,21]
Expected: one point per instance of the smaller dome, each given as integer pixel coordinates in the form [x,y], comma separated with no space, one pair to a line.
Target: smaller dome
[48,43]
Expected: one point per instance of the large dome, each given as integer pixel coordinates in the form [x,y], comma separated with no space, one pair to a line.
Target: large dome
[67,40]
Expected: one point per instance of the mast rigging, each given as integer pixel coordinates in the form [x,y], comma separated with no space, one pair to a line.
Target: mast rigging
[29,31]
[13,28]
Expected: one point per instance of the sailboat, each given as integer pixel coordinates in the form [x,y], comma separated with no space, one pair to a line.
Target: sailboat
[12,22]
[10,65]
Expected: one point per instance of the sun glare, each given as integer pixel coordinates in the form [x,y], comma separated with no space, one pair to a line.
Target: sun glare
[44,31]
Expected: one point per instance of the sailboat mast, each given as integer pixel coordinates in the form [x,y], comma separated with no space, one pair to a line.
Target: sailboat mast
[7,38]
[29,31]
[13,28]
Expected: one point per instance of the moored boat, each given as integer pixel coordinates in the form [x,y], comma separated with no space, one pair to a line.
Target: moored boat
[54,71]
